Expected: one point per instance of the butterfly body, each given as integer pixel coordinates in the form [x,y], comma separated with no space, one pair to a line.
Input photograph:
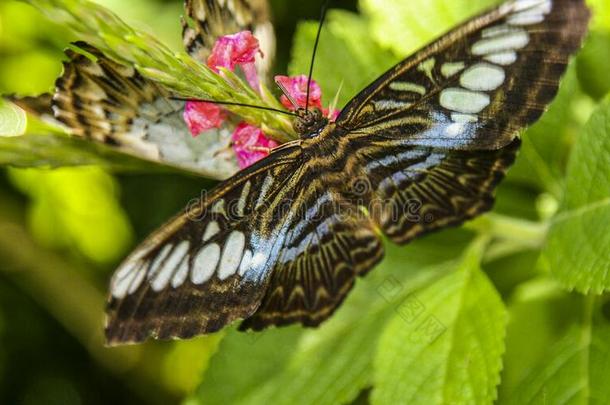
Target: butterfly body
[283,241]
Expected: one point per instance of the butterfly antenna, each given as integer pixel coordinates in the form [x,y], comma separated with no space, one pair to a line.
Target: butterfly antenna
[315,49]
[256,107]
[287,94]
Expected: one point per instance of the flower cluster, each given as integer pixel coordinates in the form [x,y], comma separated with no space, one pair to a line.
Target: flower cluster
[249,143]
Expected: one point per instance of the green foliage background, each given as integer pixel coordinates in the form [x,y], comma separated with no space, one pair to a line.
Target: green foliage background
[511,308]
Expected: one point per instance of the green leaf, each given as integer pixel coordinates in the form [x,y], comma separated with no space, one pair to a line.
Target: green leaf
[446,343]
[601,14]
[13,121]
[540,306]
[576,369]
[346,38]
[593,73]
[333,363]
[404,26]
[578,246]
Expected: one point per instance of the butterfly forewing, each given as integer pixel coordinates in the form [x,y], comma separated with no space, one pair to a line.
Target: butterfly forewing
[477,86]
[210,265]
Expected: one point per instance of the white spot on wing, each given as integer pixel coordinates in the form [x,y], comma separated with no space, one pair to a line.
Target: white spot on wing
[455,129]
[538,6]
[464,101]
[231,254]
[211,230]
[525,18]
[205,263]
[126,267]
[451,68]
[241,204]
[408,86]
[245,262]
[502,58]
[498,30]
[137,280]
[123,278]
[514,40]
[154,267]
[219,207]
[264,190]
[483,77]
[181,274]
[528,12]
[391,104]
[427,67]
[163,276]
[463,118]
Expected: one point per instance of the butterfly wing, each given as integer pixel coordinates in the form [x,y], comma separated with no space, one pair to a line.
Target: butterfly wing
[416,190]
[209,265]
[477,86]
[327,247]
[212,19]
[434,135]
[105,101]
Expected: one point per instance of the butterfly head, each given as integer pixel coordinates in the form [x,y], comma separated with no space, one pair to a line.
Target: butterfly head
[309,122]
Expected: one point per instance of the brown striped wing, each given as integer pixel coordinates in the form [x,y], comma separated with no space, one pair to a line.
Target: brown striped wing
[477,86]
[328,245]
[417,190]
[210,265]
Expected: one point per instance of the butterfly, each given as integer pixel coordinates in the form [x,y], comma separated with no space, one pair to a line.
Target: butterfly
[283,241]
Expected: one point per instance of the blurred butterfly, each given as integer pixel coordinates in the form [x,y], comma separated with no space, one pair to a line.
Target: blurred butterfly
[284,240]
[102,100]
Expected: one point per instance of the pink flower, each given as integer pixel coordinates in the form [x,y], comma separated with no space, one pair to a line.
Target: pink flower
[237,50]
[297,89]
[201,116]
[250,144]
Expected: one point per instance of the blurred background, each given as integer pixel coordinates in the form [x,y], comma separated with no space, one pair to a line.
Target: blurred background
[62,232]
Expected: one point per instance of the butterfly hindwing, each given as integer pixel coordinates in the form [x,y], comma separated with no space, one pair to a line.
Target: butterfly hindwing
[331,243]
[478,85]
[417,190]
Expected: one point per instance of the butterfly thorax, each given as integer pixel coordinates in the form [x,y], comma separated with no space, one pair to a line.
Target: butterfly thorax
[309,122]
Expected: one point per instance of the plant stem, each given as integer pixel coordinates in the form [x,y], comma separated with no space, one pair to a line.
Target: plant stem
[509,228]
